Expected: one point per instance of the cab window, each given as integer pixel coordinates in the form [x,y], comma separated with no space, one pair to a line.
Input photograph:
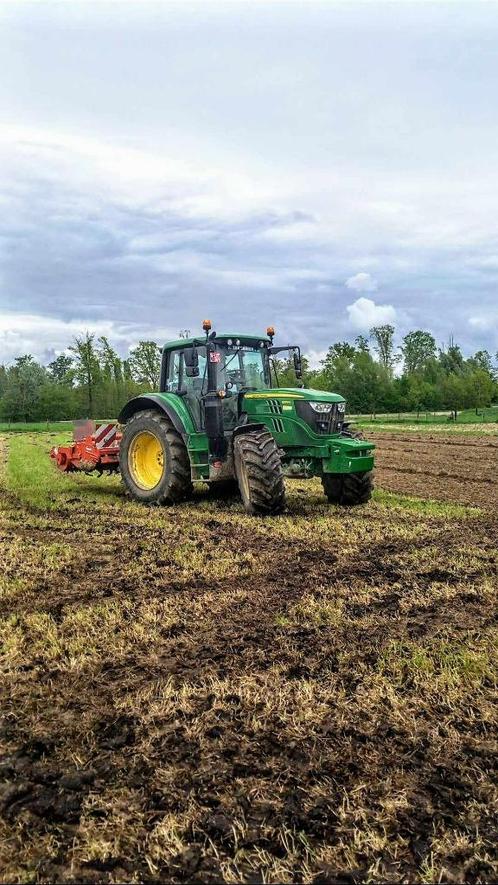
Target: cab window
[175,371]
[177,381]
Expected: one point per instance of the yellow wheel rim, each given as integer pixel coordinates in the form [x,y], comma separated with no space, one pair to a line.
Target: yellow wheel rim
[146,460]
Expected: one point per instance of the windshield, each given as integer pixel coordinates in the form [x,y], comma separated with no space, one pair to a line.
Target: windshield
[244,367]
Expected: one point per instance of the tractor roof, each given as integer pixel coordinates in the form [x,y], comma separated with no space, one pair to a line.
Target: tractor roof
[199,339]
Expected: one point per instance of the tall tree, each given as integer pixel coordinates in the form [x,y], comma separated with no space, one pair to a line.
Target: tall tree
[453,391]
[61,370]
[361,344]
[342,349]
[418,349]
[110,362]
[479,387]
[87,366]
[25,380]
[482,360]
[3,380]
[451,360]
[383,337]
[145,363]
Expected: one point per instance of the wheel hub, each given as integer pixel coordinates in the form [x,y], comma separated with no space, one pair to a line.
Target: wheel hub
[146,460]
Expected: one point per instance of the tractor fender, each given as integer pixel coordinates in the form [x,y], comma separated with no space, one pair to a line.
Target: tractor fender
[152,401]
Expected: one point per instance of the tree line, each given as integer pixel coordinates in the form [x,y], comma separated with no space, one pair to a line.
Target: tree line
[91,380]
[376,376]
[88,380]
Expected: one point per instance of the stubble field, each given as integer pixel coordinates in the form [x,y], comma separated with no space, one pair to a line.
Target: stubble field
[192,694]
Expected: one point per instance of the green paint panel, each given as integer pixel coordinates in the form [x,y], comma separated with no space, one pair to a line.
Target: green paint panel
[332,452]
[177,403]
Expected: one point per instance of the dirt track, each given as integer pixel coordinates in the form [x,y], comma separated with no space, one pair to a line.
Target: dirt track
[439,467]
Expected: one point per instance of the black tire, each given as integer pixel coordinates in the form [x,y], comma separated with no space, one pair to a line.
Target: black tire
[224,488]
[348,489]
[175,482]
[259,473]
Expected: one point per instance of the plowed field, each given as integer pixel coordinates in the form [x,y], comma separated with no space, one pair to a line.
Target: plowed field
[192,694]
[441,467]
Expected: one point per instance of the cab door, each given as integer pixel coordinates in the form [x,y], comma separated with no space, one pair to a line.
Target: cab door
[191,389]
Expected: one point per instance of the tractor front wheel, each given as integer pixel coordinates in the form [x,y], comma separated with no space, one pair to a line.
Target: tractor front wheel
[348,489]
[153,460]
[259,473]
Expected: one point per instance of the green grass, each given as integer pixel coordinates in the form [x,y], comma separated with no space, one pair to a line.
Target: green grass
[466,416]
[426,507]
[33,477]
[410,427]
[446,661]
[468,421]
[42,426]
[35,426]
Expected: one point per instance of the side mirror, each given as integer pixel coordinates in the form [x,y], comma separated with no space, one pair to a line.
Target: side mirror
[298,366]
[191,359]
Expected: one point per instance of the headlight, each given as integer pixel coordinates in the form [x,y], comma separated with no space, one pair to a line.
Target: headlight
[341,407]
[321,407]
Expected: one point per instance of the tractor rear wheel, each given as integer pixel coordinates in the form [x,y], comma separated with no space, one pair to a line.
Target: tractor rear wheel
[153,460]
[348,489]
[259,473]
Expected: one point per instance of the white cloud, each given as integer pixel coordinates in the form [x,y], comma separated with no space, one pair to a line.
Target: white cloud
[132,175]
[296,231]
[362,282]
[479,322]
[44,337]
[315,358]
[365,313]
[485,324]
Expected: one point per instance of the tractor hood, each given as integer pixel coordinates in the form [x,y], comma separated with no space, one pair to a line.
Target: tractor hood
[296,393]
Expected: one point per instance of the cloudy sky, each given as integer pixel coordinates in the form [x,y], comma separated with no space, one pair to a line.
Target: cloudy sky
[319,166]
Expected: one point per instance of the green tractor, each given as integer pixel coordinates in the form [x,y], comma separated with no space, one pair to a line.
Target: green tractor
[221,418]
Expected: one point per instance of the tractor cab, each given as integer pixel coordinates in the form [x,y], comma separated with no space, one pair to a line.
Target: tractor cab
[227,365]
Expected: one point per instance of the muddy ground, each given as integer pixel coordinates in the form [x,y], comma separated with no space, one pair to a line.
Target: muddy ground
[192,694]
[445,468]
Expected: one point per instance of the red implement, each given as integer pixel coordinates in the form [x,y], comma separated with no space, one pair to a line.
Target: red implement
[97,451]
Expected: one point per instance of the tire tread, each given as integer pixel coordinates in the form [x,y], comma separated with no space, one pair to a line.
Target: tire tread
[348,489]
[259,453]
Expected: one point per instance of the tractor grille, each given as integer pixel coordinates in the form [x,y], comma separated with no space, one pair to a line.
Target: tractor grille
[278,425]
[321,423]
[275,406]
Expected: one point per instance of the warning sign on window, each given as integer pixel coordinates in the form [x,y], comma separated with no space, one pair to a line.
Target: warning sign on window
[215,357]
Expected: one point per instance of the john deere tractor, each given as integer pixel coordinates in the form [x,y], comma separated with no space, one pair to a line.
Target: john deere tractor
[221,418]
